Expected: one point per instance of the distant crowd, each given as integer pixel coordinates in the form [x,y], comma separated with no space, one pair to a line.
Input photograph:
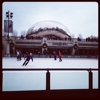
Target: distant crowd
[94,39]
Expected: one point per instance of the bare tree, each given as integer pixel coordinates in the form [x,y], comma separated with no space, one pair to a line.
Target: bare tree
[91,36]
[72,35]
[80,36]
[23,33]
[15,33]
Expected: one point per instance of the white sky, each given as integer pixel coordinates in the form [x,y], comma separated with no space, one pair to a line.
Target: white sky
[78,17]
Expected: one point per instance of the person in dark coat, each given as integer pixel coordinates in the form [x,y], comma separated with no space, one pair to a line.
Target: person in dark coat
[55,55]
[20,54]
[17,53]
[28,57]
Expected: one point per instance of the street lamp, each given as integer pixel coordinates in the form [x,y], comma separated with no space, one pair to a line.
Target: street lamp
[9,15]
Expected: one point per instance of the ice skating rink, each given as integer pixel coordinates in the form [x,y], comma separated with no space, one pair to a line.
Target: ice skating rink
[36,80]
[51,63]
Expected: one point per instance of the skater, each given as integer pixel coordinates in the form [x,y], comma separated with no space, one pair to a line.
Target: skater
[55,55]
[28,57]
[60,55]
[18,55]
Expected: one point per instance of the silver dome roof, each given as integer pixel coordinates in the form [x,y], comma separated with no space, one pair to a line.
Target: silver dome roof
[46,25]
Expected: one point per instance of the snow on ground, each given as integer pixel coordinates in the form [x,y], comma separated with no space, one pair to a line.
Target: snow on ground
[36,80]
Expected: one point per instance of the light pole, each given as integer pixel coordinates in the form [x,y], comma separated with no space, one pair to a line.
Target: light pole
[9,15]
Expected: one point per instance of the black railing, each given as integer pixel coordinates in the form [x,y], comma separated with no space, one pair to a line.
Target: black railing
[55,69]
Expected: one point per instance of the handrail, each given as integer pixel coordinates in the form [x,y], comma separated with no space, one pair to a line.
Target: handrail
[43,69]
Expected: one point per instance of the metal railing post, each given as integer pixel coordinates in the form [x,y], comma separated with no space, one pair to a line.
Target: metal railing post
[48,80]
[90,79]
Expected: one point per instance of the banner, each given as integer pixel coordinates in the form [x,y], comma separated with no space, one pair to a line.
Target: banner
[10,27]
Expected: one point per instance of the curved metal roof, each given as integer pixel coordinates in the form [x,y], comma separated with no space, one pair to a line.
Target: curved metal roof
[48,25]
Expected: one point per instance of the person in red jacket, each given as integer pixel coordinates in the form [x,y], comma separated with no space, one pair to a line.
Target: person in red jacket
[60,56]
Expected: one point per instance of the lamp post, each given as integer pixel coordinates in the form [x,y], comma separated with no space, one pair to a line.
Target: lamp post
[9,15]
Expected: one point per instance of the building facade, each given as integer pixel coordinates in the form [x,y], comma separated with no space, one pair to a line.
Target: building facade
[45,40]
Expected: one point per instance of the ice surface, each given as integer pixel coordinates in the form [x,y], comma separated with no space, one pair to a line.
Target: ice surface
[51,63]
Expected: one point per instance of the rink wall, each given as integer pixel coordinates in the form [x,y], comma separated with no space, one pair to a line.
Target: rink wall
[51,56]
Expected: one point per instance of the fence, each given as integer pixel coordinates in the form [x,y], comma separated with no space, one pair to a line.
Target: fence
[90,75]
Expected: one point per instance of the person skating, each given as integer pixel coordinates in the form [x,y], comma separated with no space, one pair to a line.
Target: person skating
[55,55]
[28,57]
[18,55]
[60,55]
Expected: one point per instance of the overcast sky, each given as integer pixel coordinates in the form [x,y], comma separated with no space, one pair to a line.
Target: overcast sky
[78,17]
